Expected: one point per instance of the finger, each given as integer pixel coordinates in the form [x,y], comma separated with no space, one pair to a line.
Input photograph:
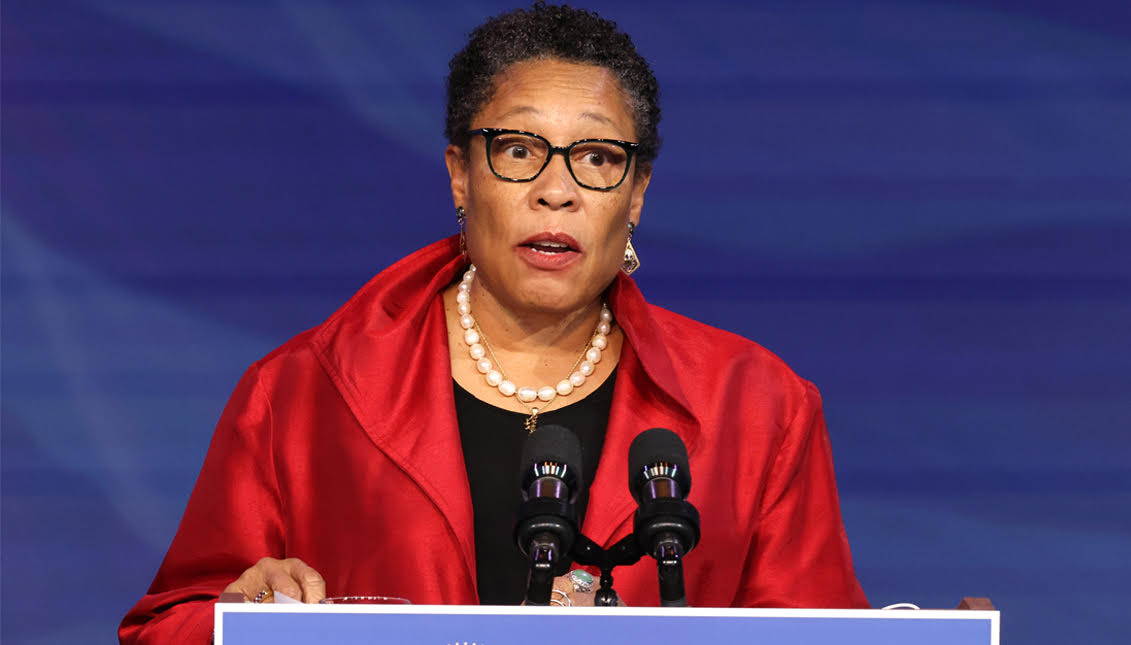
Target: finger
[313,585]
[249,583]
[573,598]
[581,598]
[279,580]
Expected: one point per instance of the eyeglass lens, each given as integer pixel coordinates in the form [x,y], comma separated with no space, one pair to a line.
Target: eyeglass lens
[594,163]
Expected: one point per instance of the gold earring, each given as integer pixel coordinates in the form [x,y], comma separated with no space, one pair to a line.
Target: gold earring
[631,260]
[461,216]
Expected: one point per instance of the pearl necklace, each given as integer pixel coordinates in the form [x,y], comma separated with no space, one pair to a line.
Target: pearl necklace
[478,348]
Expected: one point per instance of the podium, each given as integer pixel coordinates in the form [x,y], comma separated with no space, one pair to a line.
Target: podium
[271,624]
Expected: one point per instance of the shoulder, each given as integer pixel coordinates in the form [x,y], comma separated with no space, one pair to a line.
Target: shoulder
[389,310]
[741,393]
[291,362]
[297,349]
[715,353]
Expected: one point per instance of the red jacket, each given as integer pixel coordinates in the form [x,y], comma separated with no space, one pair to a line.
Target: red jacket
[341,448]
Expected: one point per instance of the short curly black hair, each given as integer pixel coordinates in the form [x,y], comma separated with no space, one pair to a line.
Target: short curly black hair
[547,32]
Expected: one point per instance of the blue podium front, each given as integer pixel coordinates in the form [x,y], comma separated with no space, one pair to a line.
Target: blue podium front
[249,624]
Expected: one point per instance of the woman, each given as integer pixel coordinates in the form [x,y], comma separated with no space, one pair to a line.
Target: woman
[377,453]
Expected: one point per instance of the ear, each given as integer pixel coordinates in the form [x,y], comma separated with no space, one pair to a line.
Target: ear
[640,181]
[456,161]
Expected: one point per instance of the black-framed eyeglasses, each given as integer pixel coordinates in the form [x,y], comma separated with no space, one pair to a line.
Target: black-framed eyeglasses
[596,164]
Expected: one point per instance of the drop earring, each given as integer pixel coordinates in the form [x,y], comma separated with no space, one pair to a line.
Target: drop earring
[461,216]
[631,260]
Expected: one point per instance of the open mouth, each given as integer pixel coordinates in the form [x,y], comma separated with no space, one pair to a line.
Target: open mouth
[549,247]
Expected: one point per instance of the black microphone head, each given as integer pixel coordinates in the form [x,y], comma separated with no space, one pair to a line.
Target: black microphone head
[552,450]
[654,447]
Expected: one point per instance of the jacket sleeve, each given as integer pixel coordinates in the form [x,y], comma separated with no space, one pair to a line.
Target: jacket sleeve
[233,519]
[799,556]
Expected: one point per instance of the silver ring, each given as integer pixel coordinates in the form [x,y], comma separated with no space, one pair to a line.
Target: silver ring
[564,601]
[263,593]
[582,580]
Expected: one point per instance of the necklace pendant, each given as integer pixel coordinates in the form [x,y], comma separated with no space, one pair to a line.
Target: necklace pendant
[532,421]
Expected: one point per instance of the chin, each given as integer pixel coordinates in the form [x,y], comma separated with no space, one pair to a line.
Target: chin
[561,293]
[563,304]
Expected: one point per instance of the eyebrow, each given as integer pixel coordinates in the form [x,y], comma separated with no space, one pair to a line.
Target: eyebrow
[529,109]
[597,117]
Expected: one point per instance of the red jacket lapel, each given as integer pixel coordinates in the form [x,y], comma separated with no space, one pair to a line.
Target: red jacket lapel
[386,351]
[648,394]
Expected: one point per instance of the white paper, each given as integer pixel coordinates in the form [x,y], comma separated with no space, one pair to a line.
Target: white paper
[284,599]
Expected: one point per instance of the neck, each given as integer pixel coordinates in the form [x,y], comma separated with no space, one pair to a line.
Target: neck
[529,331]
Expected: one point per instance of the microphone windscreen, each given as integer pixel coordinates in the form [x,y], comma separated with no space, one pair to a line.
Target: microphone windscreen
[551,443]
[658,445]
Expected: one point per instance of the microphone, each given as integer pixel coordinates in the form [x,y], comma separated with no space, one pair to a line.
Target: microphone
[666,525]
[545,525]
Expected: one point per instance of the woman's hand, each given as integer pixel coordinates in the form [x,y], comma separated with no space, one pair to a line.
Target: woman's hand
[292,577]
[574,595]
[572,598]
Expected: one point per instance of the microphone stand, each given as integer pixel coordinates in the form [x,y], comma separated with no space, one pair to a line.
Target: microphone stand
[549,530]
[669,528]
[543,558]
[669,552]
[625,552]
[669,567]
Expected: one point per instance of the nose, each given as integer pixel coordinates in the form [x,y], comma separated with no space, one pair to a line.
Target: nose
[554,187]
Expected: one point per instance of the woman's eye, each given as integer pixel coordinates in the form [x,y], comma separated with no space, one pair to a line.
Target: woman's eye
[595,156]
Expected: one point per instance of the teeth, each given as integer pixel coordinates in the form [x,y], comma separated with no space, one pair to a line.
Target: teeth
[555,245]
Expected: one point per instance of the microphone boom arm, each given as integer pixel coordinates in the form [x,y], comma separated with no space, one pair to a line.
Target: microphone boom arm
[625,552]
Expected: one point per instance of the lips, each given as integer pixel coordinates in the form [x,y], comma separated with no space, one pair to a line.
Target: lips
[551,243]
[549,251]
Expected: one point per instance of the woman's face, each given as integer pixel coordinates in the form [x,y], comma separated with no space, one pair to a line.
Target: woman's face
[516,231]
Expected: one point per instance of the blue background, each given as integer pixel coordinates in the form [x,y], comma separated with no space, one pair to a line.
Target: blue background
[923,207]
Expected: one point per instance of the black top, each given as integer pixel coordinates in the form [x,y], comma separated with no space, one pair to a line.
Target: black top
[492,447]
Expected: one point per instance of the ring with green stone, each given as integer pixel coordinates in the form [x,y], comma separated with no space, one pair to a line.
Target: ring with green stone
[582,580]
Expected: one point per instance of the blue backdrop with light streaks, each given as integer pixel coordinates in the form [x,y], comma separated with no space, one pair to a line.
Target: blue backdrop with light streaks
[923,207]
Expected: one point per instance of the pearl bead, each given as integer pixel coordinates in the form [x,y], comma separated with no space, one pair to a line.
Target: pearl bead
[465,286]
[606,315]
[600,341]
[469,275]
[477,352]
[494,378]
[463,298]
[593,355]
[577,379]
[603,327]
[527,394]
[585,368]
[564,387]
[507,388]
[471,337]
[466,321]
[547,393]
[463,308]
[483,365]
